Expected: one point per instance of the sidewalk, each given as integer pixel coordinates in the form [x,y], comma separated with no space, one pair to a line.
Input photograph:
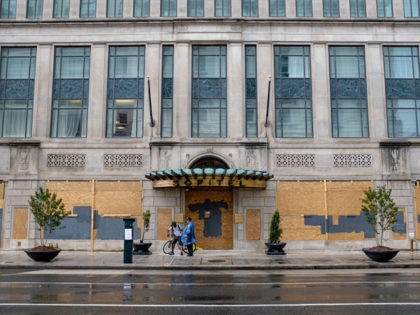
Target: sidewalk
[211,260]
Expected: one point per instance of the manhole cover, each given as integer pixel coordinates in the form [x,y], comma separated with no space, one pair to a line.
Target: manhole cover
[217,260]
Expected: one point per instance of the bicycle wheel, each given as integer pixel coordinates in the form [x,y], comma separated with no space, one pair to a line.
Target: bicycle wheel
[185,248]
[167,247]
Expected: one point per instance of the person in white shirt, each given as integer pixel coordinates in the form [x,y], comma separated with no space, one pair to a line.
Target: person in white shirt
[175,231]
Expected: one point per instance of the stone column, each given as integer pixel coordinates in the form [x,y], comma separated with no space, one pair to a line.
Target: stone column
[265,68]
[209,8]
[235,102]
[371,9]
[376,91]
[317,9]
[42,92]
[74,9]
[97,91]
[153,72]
[128,9]
[263,9]
[101,9]
[320,93]
[236,8]
[182,87]
[290,8]
[344,9]
[182,9]
[21,9]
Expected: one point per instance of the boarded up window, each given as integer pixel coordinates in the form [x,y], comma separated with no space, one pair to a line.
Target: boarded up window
[164,220]
[20,223]
[253,224]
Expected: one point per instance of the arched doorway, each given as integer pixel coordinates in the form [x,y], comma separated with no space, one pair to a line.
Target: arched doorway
[211,209]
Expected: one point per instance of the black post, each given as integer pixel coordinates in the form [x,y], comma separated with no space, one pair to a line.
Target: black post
[128,240]
[267,123]
[152,121]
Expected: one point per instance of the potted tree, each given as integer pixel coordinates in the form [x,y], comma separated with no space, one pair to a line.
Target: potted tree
[274,245]
[142,248]
[48,212]
[381,213]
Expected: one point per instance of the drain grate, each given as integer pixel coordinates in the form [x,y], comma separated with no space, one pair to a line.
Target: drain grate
[216,260]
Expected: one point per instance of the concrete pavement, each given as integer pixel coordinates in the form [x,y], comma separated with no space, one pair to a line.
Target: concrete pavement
[211,260]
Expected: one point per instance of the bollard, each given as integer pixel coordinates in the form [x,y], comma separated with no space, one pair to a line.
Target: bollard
[128,240]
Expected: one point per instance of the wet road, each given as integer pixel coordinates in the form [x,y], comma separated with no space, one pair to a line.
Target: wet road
[216,292]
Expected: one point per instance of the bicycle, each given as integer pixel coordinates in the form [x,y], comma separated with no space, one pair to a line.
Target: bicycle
[167,248]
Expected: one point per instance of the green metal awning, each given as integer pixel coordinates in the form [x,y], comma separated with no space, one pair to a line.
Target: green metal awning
[209,177]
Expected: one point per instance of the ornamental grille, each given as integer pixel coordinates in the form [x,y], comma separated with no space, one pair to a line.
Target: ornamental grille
[123,160]
[295,160]
[352,160]
[66,160]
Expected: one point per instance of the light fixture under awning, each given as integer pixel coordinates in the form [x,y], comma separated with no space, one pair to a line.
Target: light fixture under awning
[209,177]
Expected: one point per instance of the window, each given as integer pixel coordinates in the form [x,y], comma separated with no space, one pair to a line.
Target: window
[168,7]
[384,8]
[348,92]
[293,91]
[141,8]
[17,78]
[61,8]
[358,8]
[195,7]
[251,90]
[125,91]
[114,8]
[70,92]
[87,8]
[277,8]
[167,90]
[7,9]
[411,8]
[209,91]
[303,8]
[222,8]
[249,7]
[331,8]
[402,94]
[34,9]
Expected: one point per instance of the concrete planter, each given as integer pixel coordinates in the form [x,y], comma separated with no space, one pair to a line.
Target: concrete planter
[275,248]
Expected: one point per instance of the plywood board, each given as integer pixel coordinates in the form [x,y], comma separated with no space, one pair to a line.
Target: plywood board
[1,195]
[164,220]
[253,224]
[20,223]
[345,198]
[73,193]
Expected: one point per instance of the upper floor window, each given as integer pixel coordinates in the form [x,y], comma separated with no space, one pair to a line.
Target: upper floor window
[331,8]
[411,8]
[34,9]
[167,90]
[251,103]
[348,92]
[61,8]
[358,8]
[402,94]
[209,91]
[303,8]
[87,8]
[17,76]
[8,9]
[249,7]
[141,8]
[293,91]
[114,8]
[168,7]
[384,8]
[195,7]
[125,91]
[70,94]
[277,8]
[222,8]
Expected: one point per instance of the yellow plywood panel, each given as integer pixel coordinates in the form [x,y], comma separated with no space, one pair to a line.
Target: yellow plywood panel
[118,186]
[253,224]
[164,220]
[300,198]
[295,229]
[73,193]
[1,195]
[344,198]
[352,236]
[20,223]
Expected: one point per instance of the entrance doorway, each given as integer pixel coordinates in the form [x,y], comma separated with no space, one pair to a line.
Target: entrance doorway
[212,212]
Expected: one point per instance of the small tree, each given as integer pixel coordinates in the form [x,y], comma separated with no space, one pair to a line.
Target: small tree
[48,211]
[275,230]
[146,224]
[380,210]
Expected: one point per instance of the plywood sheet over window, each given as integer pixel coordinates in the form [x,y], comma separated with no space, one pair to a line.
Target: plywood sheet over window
[73,193]
[164,220]
[253,224]
[322,210]
[20,223]
[1,195]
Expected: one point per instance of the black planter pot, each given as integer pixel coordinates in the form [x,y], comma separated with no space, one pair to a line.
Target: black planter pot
[42,255]
[141,248]
[275,248]
[383,255]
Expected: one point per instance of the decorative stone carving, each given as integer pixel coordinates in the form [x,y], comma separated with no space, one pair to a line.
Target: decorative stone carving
[66,160]
[251,160]
[352,160]
[123,160]
[295,160]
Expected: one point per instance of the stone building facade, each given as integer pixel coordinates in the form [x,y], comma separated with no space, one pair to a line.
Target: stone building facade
[101,101]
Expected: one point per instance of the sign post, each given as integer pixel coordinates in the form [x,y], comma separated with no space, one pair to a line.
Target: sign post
[128,240]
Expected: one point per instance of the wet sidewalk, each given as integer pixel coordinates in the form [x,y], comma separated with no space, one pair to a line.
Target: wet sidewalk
[211,260]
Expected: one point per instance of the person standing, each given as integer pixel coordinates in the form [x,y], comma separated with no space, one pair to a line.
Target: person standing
[188,236]
[175,231]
